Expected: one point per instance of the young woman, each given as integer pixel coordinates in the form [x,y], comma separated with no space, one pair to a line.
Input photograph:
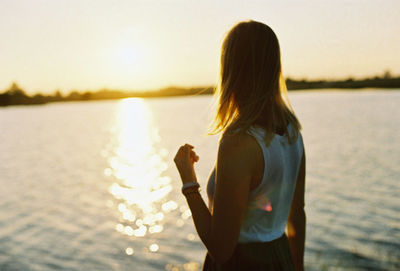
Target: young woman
[256,190]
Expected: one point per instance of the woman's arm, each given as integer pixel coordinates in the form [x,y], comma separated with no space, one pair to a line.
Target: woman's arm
[235,166]
[296,227]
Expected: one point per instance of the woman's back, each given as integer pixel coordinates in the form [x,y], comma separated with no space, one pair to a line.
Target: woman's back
[269,203]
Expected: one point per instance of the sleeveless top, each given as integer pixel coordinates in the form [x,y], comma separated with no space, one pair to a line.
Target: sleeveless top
[269,203]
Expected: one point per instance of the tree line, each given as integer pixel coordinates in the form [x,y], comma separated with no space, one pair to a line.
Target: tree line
[15,95]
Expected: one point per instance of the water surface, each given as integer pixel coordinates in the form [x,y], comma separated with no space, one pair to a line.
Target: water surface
[92,185]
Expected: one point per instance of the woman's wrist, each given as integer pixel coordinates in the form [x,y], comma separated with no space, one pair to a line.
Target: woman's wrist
[190,187]
[191,193]
[190,184]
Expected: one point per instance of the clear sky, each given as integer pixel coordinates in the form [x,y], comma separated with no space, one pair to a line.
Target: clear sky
[139,45]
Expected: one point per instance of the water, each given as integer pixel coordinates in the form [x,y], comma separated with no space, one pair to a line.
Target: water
[92,186]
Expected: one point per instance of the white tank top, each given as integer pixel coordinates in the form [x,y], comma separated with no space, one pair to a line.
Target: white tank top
[269,203]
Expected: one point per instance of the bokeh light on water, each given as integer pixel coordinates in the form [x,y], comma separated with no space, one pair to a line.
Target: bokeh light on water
[139,186]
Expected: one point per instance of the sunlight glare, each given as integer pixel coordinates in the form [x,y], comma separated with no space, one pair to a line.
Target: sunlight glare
[130,60]
[154,247]
[262,202]
[137,166]
[129,251]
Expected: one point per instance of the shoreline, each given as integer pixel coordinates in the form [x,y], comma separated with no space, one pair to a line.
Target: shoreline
[18,97]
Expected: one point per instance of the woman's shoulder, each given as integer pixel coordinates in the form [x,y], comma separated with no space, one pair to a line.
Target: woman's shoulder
[240,142]
[240,151]
[241,138]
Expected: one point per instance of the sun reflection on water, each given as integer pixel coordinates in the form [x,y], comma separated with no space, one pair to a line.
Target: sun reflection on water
[139,189]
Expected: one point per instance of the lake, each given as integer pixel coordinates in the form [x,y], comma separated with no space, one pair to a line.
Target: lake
[92,185]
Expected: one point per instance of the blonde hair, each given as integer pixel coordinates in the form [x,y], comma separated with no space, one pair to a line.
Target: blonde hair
[251,89]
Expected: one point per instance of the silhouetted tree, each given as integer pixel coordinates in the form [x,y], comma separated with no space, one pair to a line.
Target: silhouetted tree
[86,96]
[57,95]
[14,89]
[73,96]
[387,74]
[4,99]
[39,99]
[16,94]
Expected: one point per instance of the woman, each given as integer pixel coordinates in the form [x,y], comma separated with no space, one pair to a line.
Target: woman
[256,190]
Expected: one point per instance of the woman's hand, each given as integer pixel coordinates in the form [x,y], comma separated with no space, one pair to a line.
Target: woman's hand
[184,161]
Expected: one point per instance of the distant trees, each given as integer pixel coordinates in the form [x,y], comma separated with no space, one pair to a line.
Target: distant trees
[15,95]
[387,74]
[384,81]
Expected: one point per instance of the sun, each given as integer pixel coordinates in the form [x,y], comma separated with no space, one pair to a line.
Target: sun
[129,56]
[130,59]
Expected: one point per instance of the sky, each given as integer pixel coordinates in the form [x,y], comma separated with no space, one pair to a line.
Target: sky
[65,45]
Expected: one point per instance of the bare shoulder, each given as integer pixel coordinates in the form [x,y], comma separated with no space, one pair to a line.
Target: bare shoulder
[240,146]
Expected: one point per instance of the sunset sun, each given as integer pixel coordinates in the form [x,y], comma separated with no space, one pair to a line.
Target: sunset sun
[129,60]
[129,56]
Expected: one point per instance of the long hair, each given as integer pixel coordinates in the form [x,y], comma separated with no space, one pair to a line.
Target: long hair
[251,88]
